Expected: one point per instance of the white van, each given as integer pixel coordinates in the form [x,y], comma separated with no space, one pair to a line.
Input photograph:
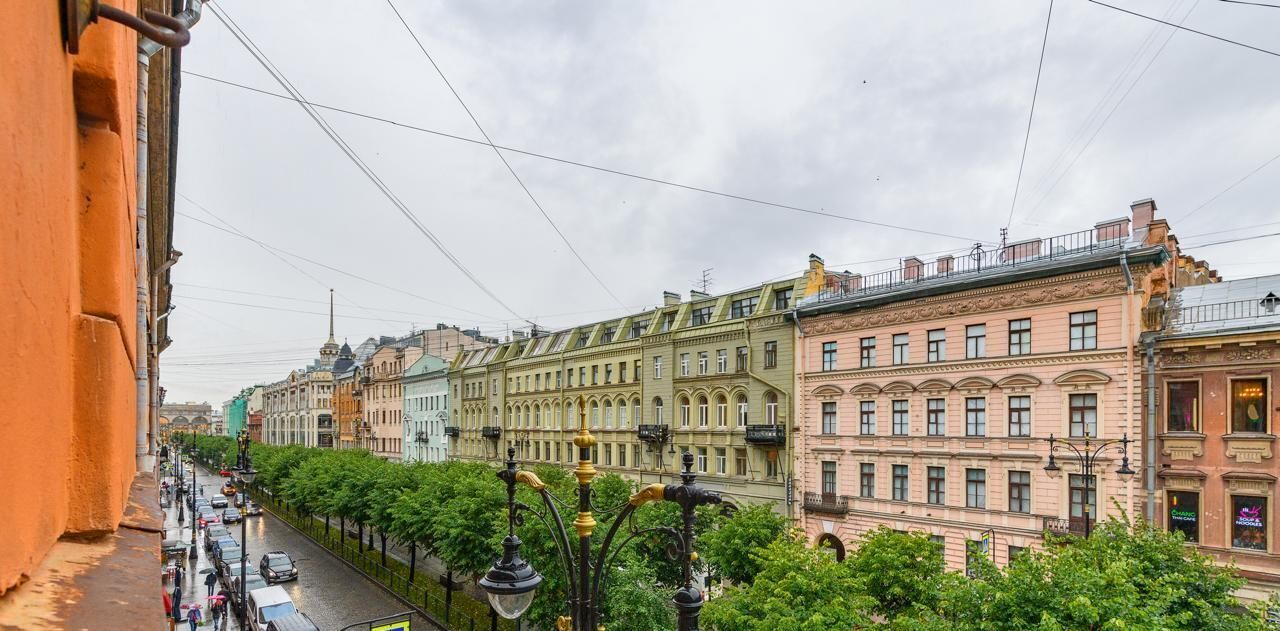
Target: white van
[267,604]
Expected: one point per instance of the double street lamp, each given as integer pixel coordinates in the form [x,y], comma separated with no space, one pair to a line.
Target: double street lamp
[512,582]
[245,476]
[191,495]
[1086,456]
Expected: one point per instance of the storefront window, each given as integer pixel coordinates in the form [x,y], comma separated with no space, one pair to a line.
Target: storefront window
[1249,405]
[1184,407]
[1184,514]
[1248,522]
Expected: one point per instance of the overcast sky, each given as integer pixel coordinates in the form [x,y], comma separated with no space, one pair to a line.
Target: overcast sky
[905,113]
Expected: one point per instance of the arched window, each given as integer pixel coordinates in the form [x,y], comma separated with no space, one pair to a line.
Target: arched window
[771,408]
[528,416]
[595,414]
[608,413]
[537,416]
[635,410]
[511,417]
[831,544]
[684,412]
[559,411]
[622,413]
[742,410]
[722,411]
[658,418]
[703,412]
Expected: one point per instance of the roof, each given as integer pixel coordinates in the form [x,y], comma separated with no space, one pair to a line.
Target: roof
[425,365]
[1227,307]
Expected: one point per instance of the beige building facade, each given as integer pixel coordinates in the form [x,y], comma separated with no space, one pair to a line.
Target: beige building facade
[711,375]
[928,394]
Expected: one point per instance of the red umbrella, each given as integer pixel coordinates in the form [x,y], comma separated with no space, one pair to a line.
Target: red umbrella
[217,597]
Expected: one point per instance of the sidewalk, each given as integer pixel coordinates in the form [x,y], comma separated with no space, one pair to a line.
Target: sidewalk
[193,587]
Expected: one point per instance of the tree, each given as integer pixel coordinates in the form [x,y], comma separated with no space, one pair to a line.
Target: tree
[730,549]
[900,570]
[796,589]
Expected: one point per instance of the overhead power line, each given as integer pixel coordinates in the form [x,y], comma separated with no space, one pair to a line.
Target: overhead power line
[247,42]
[1236,240]
[1031,116]
[583,165]
[1233,185]
[512,171]
[1256,4]
[288,310]
[1179,26]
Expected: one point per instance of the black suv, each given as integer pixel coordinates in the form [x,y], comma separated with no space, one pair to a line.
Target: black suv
[277,566]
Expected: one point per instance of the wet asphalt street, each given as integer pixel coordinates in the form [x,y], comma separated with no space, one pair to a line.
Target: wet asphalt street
[327,590]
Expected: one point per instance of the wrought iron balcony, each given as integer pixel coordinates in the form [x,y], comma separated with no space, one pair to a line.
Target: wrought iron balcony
[1060,526]
[491,431]
[421,438]
[826,503]
[452,431]
[653,433]
[767,434]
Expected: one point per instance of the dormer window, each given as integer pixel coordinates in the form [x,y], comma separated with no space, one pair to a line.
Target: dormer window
[700,316]
[743,308]
[609,332]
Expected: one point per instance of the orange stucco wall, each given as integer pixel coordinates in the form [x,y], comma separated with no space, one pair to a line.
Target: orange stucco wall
[67,269]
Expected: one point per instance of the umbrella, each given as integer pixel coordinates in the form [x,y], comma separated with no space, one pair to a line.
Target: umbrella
[192,606]
[207,570]
[217,598]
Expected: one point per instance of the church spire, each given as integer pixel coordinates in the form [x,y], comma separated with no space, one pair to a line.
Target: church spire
[330,351]
[331,340]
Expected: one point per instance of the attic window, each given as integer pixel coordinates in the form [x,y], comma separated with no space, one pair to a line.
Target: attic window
[1270,302]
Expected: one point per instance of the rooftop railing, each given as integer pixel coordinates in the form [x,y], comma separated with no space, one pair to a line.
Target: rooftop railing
[978,262]
[1234,310]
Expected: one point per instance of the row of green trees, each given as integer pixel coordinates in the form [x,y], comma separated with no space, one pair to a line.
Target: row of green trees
[456,512]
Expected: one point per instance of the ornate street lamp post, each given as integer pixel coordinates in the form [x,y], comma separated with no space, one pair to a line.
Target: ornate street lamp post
[1086,456]
[512,581]
[246,475]
[191,494]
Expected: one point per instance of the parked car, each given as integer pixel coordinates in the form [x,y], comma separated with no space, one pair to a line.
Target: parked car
[240,498]
[227,556]
[207,516]
[267,604]
[202,501]
[218,501]
[215,550]
[277,566]
[252,509]
[293,622]
[231,516]
[212,533]
[252,581]
[231,571]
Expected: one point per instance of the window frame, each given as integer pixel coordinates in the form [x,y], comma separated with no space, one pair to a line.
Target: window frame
[1083,334]
[1232,382]
[975,346]
[936,486]
[936,346]
[866,418]
[771,354]
[975,417]
[867,480]
[936,418]
[1020,492]
[830,356]
[1023,422]
[901,349]
[1020,337]
[1195,405]
[901,483]
[901,425]
[867,352]
[975,488]
[830,478]
[830,418]
[1073,409]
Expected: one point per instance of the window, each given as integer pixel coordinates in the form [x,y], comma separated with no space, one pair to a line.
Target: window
[901,485]
[1020,337]
[975,416]
[657,411]
[668,321]
[937,485]
[742,356]
[828,477]
[1084,330]
[771,408]
[703,412]
[829,423]
[703,362]
[722,412]
[722,361]
[608,455]
[867,352]
[657,367]
[901,417]
[936,417]
[1248,522]
[608,373]
[740,462]
[1184,407]
[582,376]
[901,349]
[684,412]
[638,369]
[1084,500]
[937,345]
[744,307]
[781,299]
[684,364]
[700,316]
[975,488]
[1249,405]
[771,466]
[1084,415]
[568,376]
[867,418]
[595,375]
[608,413]
[770,355]
[609,332]
[722,461]
[595,414]
[867,480]
[638,327]
[828,356]
[702,460]
[622,455]
[583,338]
[742,410]
[635,455]
[1020,491]
[495,385]
[1184,514]
[975,341]
[974,552]
[1020,416]
[1015,552]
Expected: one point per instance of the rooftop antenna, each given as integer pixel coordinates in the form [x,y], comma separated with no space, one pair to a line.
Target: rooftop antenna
[704,283]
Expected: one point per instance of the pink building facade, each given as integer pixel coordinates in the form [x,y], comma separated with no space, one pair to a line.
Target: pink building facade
[927,394]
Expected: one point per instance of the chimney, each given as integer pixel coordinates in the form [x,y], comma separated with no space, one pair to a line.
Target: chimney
[911,267]
[946,264]
[670,298]
[814,279]
[1111,230]
[696,295]
[1144,210]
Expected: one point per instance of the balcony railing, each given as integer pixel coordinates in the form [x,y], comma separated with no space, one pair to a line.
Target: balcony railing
[1217,312]
[1060,526]
[826,503]
[491,431]
[979,262]
[452,431]
[421,438]
[653,433]
[767,434]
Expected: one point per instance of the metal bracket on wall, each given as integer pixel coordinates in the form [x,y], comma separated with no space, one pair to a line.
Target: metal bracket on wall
[77,15]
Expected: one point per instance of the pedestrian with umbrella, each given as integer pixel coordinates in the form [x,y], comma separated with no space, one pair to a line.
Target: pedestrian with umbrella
[210,580]
[216,609]
[194,616]
[226,608]
[177,602]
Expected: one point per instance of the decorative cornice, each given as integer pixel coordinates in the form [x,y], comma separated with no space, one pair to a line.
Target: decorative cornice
[1012,296]
[1010,361]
